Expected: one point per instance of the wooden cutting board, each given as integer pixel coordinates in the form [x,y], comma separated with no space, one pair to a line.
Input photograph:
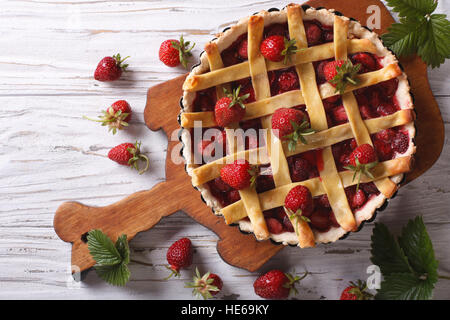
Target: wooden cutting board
[142,210]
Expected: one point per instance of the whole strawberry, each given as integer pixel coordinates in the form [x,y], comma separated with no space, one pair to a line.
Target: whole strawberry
[238,175]
[110,68]
[230,108]
[361,160]
[173,52]
[291,125]
[206,286]
[356,291]
[277,48]
[179,256]
[117,116]
[340,73]
[299,204]
[276,284]
[129,154]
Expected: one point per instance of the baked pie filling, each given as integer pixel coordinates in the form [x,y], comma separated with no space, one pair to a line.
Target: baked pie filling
[377,110]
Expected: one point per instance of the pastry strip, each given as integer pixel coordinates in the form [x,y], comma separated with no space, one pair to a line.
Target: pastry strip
[241,70]
[318,140]
[328,173]
[292,98]
[275,198]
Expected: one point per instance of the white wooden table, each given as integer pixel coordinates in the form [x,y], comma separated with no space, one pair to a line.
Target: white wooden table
[49,154]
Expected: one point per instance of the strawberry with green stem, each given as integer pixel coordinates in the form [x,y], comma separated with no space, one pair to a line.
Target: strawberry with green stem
[291,125]
[361,160]
[276,284]
[173,52]
[340,73]
[230,108]
[129,154]
[356,291]
[116,117]
[110,68]
[205,286]
[277,48]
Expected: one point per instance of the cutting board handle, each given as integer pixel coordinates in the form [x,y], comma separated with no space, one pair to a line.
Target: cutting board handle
[129,216]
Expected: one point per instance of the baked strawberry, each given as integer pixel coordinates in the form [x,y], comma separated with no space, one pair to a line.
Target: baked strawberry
[339,115]
[320,219]
[274,226]
[179,255]
[276,284]
[288,80]
[340,73]
[400,142]
[361,160]
[231,108]
[239,175]
[385,109]
[116,117]
[300,170]
[206,286]
[243,49]
[173,52]
[356,291]
[129,154]
[291,125]
[278,48]
[313,33]
[110,68]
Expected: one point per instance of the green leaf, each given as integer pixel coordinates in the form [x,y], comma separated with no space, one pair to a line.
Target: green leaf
[408,8]
[117,275]
[404,286]
[111,259]
[418,247]
[386,252]
[102,249]
[122,247]
[403,38]
[434,45]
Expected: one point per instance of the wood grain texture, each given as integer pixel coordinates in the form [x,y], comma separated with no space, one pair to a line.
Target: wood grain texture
[43,95]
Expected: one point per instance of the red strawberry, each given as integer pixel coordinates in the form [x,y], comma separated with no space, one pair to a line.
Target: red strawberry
[389,87]
[116,117]
[231,108]
[110,68]
[329,69]
[234,196]
[291,125]
[299,201]
[238,175]
[300,170]
[361,160]
[179,255]
[385,135]
[366,112]
[243,49]
[356,291]
[320,219]
[340,73]
[129,154]
[206,286]
[277,48]
[288,81]
[173,52]
[383,149]
[358,199]
[276,284]
[385,109]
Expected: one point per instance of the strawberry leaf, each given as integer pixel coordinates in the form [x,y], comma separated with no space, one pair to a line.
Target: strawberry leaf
[404,286]
[408,8]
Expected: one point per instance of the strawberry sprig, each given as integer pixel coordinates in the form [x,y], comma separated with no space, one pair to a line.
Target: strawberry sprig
[292,282]
[345,74]
[360,169]
[295,216]
[184,50]
[300,131]
[120,61]
[137,156]
[235,98]
[203,285]
[290,48]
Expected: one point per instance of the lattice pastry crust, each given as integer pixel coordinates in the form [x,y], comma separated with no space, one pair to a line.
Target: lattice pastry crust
[349,37]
